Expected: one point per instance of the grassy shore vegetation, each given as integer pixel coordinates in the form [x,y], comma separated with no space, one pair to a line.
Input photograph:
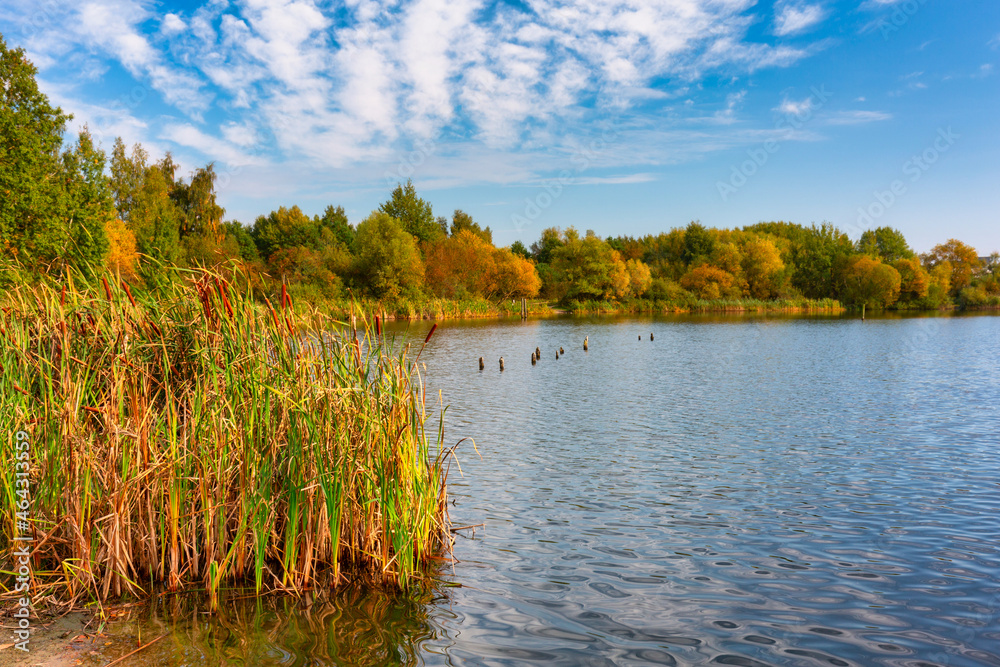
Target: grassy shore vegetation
[191,437]
[135,215]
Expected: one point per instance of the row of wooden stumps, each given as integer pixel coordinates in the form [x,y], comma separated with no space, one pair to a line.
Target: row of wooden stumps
[536,356]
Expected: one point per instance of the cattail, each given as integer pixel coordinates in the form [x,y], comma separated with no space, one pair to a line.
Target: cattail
[128,292]
[284,295]
[274,315]
[378,326]
[431,333]
[225,300]
[107,290]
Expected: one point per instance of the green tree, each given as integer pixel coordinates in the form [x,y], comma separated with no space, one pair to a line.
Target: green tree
[519,249]
[542,249]
[461,220]
[90,206]
[32,200]
[287,228]
[153,216]
[127,176]
[817,259]
[585,268]
[414,213]
[243,238]
[335,219]
[198,212]
[698,243]
[387,264]
[886,243]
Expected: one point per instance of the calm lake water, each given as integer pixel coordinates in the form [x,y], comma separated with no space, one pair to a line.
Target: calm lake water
[740,491]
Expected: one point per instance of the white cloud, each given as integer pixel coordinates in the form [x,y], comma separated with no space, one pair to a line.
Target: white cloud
[190,136]
[795,17]
[358,84]
[613,180]
[856,117]
[113,26]
[172,24]
[795,108]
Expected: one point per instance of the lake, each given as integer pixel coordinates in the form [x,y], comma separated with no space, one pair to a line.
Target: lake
[739,491]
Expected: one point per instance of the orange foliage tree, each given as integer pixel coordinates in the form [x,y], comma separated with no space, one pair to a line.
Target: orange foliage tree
[914,279]
[466,265]
[762,268]
[122,256]
[963,259]
[868,281]
[709,282]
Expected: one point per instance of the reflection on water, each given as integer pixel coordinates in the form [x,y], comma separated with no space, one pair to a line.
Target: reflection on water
[742,491]
[355,627]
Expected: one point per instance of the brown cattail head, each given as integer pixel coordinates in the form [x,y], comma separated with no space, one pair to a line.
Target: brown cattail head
[274,315]
[128,291]
[225,299]
[378,326]
[284,295]
[430,333]
[107,290]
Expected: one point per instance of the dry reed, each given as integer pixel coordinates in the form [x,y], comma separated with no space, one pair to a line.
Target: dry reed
[196,439]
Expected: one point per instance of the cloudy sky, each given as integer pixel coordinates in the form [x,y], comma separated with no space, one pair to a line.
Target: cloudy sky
[621,116]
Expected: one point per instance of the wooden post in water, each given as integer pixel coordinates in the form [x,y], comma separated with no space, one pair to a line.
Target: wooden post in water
[482,364]
[561,351]
[651,337]
[862,312]
[585,343]
[501,364]
[533,359]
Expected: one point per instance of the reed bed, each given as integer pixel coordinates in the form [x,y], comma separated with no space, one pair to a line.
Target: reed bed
[195,438]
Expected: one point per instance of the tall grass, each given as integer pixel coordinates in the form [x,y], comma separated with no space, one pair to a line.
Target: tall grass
[197,438]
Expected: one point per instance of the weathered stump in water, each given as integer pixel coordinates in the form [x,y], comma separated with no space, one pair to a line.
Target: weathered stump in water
[533,359]
[585,341]
[557,355]
[651,337]
[482,364]
[538,353]
[501,364]
[640,336]
[561,351]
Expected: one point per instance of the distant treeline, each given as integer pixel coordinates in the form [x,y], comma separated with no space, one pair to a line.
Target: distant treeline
[62,208]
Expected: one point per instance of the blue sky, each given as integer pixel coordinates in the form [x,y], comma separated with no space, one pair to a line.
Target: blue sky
[622,116]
